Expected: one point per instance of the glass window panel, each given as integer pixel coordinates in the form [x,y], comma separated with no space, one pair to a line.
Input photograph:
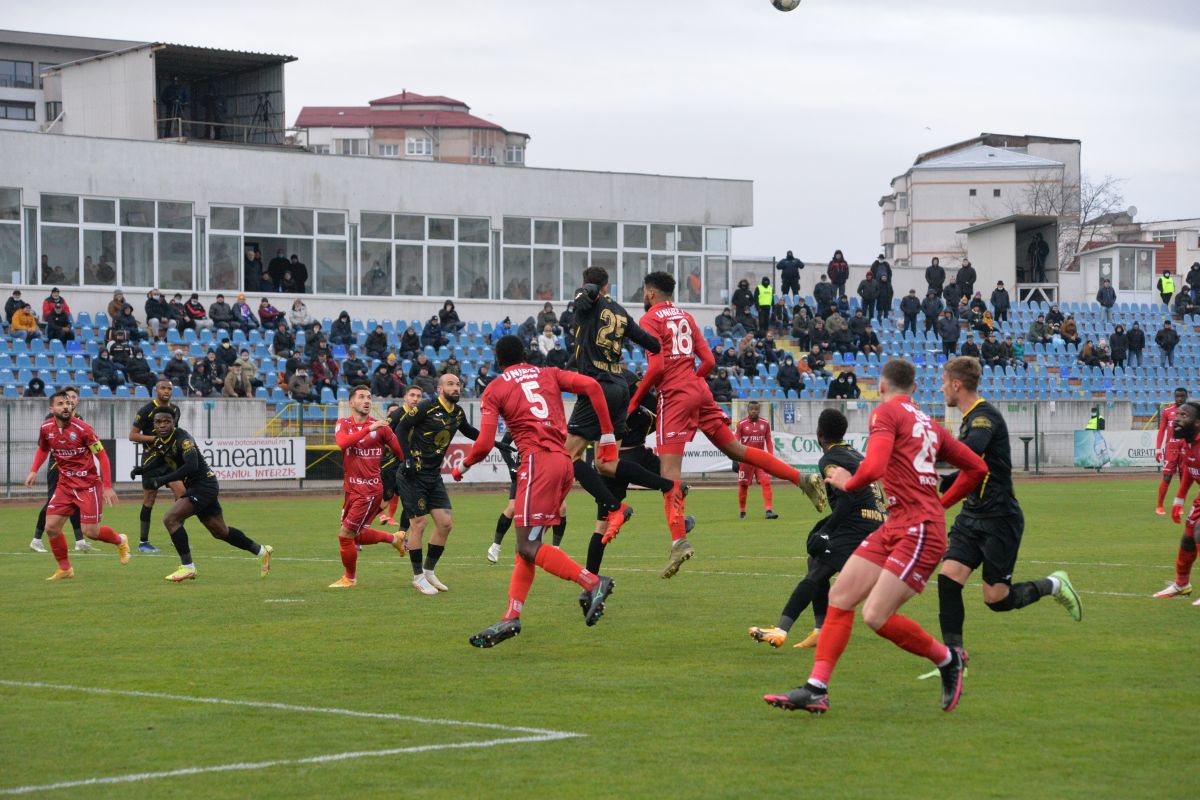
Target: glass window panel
[604,234]
[60,255]
[31,245]
[606,259]
[262,220]
[10,253]
[101,212]
[1125,276]
[376,266]
[473,229]
[716,240]
[224,262]
[296,221]
[441,271]
[545,231]
[176,216]
[575,233]
[662,237]
[690,238]
[409,268]
[547,275]
[473,271]
[225,218]
[1106,269]
[441,229]
[516,230]
[10,204]
[376,226]
[100,258]
[175,261]
[1145,275]
[688,287]
[574,263]
[716,280]
[633,269]
[137,213]
[410,227]
[137,258]
[516,273]
[60,208]
[662,263]
[331,223]
[635,236]
[331,267]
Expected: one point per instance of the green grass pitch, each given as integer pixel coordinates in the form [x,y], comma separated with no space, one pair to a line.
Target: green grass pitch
[665,690]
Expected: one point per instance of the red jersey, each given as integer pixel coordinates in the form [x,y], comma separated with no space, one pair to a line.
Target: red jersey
[682,341]
[1166,430]
[756,433]
[1189,455]
[362,451]
[74,448]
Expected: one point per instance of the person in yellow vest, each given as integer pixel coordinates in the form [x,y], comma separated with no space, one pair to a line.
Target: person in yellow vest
[765,298]
[1166,286]
[1101,452]
[1096,423]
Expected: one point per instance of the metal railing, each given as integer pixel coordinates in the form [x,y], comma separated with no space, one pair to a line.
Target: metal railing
[207,130]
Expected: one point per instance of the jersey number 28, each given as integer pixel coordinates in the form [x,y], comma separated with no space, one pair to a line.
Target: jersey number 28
[925,461]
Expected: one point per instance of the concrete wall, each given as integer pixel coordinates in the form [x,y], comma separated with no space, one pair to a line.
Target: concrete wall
[111,96]
[993,254]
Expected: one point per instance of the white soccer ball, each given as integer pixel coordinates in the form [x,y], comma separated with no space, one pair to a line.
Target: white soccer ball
[785,5]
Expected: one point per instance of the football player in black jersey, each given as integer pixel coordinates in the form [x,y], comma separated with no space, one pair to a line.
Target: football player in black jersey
[175,457]
[142,433]
[852,517]
[82,545]
[988,530]
[390,467]
[602,326]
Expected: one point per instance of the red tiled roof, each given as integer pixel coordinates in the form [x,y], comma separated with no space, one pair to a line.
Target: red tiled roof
[407,97]
[366,117]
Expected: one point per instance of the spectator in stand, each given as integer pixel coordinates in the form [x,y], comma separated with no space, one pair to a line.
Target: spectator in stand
[354,370]
[1039,331]
[528,330]
[383,384]
[410,343]
[881,268]
[868,290]
[839,272]
[226,354]
[932,307]
[12,305]
[1018,351]
[789,275]
[567,320]
[178,370]
[243,315]
[24,322]
[720,386]
[253,267]
[969,348]
[1103,355]
[300,386]
[844,387]
[1087,355]
[951,295]
[1193,281]
[1069,330]
[283,344]
[128,323]
[1165,285]
[749,360]
[118,348]
[268,314]
[1183,305]
[1119,344]
[237,384]
[743,299]
[1166,339]
[546,340]
[1054,317]
[557,357]
[222,315]
[314,341]
[299,274]
[104,372]
[992,354]
[910,307]
[451,366]
[788,377]
[377,343]
[966,278]
[58,323]
[780,318]
[949,331]
[819,337]
[431,335]
[545,317]
[178,314]
[158,314]
[764,299]
[748,323]
[288,284]
[802,327]
[448,318]
[842,341]
[963,311]
[342,330]
[834,323]
[883,305]
[419,363]
[197,316]
[48,303]
[857,326]
[724,324]
[503,328]
[984,324]
[137,369]
[824,294]
[935,277]
[727,358]
[250,368]
[768,351]
[278,266]
[216,370]
[298,317]
[868,343]
[425,382]
[482,379]
[1000,302]
[116,304]
[815,362]
[35,388]
[1107,298]
[324,370]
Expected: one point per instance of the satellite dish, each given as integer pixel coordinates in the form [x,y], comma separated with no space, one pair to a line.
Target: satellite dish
[1131,211]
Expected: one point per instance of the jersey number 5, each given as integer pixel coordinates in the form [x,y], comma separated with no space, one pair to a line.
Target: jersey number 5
[537,403]
[924,462]
[681,337]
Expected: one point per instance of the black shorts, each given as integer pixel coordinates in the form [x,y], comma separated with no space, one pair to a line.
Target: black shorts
[423,494]
[204,497]
[387,475]
[641,456]
[990,541]
[584,421]
[51,482]
[834,551]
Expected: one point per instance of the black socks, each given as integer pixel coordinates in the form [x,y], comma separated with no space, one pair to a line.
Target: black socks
[416,557]
[595,553]
[628,472]
[950,611]
[144,518]
[591,482]
[179,538]
[241,541]
[559,530]
[502,526]
[435,553]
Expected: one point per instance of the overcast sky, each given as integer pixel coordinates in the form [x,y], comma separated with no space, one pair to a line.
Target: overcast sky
[820,107]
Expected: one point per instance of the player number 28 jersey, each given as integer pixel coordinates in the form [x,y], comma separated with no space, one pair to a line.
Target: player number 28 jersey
[911,479]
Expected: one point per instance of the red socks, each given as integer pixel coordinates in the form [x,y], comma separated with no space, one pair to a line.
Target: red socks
[766,487]
[107,534]
[835,635]
[742,492]
[1162,492]
[58,546]
[908,635]
[556,562]
[349,550]
[371,536]
[1183,566]
[519,586]
[764,460]
[395,501]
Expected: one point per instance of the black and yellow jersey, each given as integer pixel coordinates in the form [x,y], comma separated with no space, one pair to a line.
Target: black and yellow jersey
[853,514]
[601,327]
[180,458]
[984,430]
[639,425]
[143,420]
[425,432]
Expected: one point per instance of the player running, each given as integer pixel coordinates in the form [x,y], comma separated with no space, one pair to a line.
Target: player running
[602,328]
[988,529]
[853,516]
[76,450]
[425,435]
[530,401]
[82,545]
[754,432]
[175,450]
[1168,448]
[391,464]
[685,405]
[1186,430]
[142,433]
[513,461]
[894,563]
[362,440]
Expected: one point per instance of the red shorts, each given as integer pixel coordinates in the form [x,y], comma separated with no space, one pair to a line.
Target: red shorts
[683,411]
[747,474]
[543,480]
[910,552]
[1172,462]
[1191,520]
[66,501]
[358,511]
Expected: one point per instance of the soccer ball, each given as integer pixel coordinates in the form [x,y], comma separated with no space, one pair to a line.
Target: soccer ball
[785,5]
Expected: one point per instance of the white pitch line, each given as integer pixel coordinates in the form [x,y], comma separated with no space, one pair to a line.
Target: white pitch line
[284,600]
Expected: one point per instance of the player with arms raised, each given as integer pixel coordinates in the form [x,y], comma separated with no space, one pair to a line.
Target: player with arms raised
[893,564]
[1186,429]
[362,440]
[76,450]
[755,432]
[685,405]
[1168,448]
[530,401]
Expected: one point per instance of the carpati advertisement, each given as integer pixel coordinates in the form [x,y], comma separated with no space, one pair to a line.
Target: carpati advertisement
[1099,449]
[264,459]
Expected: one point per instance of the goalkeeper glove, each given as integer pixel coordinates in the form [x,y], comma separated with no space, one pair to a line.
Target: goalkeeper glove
[136,472]
[608,449]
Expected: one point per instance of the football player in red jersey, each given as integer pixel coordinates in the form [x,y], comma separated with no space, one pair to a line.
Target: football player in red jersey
[893,563]
[1168,447]
[362,440]
[530,401]
[685,405]
[76,450]
[755,432]
[1186,430]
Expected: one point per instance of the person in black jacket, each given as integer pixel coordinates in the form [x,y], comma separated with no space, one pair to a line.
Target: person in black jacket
[178,370]
[137,370]
[104,371]
[448,318]
[868,290]
[951,295]
[789,274]
[58,323]
[788,377]
[12,304]
[935,277]
[910,307]
[201,381]
[283,344]
[969,348]
[1119,344]
[949,331]
[410,343]
[824,293]
[354,370]
[881,268]
[377,343]
[816,362]
[342,330]
[1167,338]
[158,314]
[743,299]
[383,383]
[932,308]
[1000,302]
[883,305]
[722,389]
[966,278]
[839,272]
[1137,343]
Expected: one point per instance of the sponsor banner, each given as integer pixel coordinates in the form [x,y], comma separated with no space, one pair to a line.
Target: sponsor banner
[1096,449]
[802,452]
[256,459]
[491,470]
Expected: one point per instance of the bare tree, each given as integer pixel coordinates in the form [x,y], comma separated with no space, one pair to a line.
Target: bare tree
[1083,214]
